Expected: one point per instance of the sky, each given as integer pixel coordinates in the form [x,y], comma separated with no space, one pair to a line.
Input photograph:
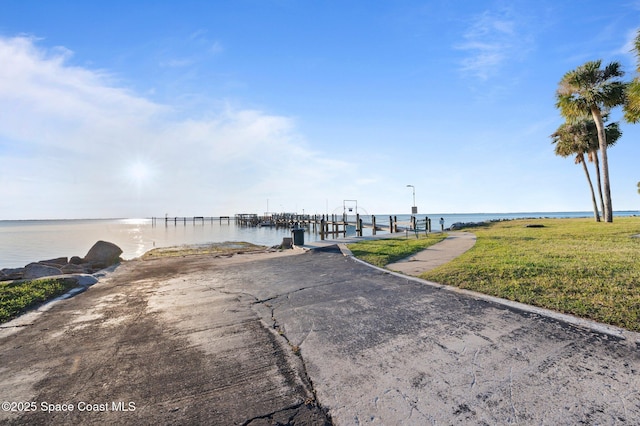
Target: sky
[206,108]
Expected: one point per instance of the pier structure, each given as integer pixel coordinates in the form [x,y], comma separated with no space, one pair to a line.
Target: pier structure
[333,225]
[175,220]
[328,226]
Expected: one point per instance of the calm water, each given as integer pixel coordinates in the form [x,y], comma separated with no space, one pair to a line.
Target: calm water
[25,241]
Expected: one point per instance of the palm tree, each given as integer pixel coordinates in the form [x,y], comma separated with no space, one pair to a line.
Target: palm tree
[570,140]
[632,107]
[590,90]
[613,133]
[581,137]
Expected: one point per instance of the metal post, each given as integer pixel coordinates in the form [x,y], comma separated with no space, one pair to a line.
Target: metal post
[414,208]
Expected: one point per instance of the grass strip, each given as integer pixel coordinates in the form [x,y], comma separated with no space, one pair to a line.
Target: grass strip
[575,266]
[17,297]
[388,250]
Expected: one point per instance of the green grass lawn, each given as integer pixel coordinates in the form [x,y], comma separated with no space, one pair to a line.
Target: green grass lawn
[574,266]
[18,296]
[388,250]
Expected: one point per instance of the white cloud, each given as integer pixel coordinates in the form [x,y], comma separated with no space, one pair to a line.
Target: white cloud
[200,36]
[73,144]
[627,48]
[490,41]
[216,47]
[43,98]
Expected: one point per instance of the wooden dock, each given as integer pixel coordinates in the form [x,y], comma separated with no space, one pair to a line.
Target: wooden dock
[175,220]
[328,226]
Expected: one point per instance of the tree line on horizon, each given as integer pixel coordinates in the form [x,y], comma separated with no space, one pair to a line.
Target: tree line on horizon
[585,98]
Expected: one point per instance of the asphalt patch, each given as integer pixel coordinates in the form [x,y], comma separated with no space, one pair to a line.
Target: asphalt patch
[334,248]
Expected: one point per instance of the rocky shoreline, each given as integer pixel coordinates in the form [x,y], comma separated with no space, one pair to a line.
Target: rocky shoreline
[101,255]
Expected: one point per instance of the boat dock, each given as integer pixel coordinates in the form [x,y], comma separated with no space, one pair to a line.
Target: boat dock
[175,220]
[328,226]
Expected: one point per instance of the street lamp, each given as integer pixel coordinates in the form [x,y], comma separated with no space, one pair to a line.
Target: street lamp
[414,208]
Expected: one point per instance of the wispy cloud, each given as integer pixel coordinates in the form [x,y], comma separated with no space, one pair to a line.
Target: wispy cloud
[216,48]
[200,36]
[191,51]
[490,41]
[629,44]
[72,140]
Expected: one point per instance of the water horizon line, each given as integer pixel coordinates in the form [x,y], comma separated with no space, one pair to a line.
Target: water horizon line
[556,212]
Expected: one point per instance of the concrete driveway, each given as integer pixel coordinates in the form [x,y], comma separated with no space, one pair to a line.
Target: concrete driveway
[310,338]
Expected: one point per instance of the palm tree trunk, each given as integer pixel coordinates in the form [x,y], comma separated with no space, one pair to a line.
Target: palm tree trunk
[602,139]
[596,215]
[596,163]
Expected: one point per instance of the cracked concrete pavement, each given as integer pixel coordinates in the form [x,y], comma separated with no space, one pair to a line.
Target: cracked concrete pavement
[310,338]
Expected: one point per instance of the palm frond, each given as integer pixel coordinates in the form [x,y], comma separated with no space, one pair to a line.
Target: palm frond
[590,86]
[636,50]
[632,105]
[613,70]
[613,132]
[580,136]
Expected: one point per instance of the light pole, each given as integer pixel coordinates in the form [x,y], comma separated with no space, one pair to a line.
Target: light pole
[414,208]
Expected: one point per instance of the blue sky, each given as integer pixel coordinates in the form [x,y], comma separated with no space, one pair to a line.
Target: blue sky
[137,109]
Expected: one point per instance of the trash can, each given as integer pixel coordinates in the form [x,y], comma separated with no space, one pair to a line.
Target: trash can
[298,236]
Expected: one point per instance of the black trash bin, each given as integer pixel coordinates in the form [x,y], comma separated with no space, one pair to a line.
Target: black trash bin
[298,236]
